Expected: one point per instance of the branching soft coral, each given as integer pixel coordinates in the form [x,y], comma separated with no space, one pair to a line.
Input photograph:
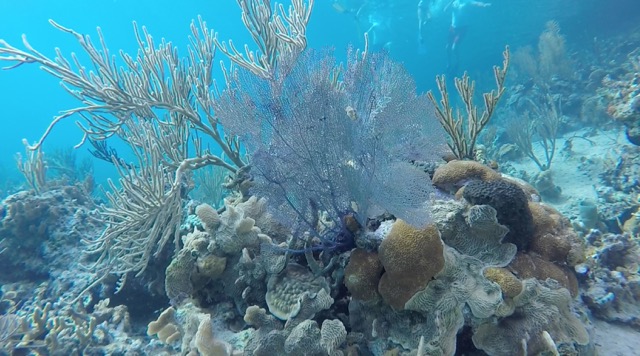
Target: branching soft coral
[335,139]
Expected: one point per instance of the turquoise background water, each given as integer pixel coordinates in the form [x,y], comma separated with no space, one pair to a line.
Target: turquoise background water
[30,98]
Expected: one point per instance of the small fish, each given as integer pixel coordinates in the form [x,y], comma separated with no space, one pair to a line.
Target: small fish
[351,112]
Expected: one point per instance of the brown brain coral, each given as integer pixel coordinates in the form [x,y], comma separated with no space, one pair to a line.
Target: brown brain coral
[454,174]
[531,266]
[508,282]
[554,239]
[411,258]
[362,274]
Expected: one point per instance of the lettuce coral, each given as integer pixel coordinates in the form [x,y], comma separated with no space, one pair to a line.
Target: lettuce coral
[539,308]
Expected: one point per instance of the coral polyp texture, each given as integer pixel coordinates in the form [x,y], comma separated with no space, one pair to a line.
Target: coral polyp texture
[285,290]
[508,282]
[362,274]
[539,309]
[454,174]
[410,257]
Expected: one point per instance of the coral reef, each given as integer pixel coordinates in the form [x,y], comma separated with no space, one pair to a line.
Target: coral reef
[624,97]
[611,277]
[237,290]
[52,223]
[353,253]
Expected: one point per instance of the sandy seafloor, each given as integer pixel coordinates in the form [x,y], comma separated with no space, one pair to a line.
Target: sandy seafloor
[577,175]
[615,340]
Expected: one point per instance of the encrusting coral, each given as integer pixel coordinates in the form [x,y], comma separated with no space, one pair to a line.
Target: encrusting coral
[539,308]
[285,290]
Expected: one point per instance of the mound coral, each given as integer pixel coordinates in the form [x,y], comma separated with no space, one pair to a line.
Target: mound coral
[362,274]
[527,265]
[553,237]
[454,174]
[511,205]
[411,258]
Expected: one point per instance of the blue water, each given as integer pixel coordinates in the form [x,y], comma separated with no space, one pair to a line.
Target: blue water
[29,98]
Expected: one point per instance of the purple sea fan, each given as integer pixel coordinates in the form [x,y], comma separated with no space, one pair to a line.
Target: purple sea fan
[336,139]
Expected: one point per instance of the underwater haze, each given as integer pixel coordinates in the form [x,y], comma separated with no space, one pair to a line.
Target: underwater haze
[375,177]
[514,23]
